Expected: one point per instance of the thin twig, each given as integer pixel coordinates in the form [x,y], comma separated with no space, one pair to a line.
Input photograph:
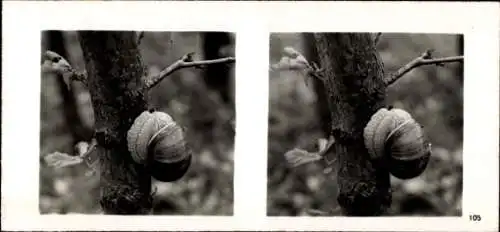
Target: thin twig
[185,62]
[91,158]
[140,35]
[377,38]
[87,155]
[424,59]
[440,61]
[316,72]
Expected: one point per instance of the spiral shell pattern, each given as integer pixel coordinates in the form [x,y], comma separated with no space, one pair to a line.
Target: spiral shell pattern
[395,135]
[168,145]
[376,132]
[145,126]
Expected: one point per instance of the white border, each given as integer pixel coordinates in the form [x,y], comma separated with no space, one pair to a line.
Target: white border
[22,22]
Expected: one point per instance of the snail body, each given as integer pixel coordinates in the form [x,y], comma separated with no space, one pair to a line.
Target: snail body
[393,134]
[156,140]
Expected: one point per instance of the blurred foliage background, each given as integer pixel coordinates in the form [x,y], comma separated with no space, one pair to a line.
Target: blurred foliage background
[200,100]
[433,95]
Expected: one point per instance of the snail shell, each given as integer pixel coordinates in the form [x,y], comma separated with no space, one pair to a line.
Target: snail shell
[157,140]
[395,135]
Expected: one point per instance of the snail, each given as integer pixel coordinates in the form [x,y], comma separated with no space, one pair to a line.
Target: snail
[395,135]
[156,140]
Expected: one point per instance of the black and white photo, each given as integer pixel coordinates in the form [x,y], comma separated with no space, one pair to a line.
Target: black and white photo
[250,116]
[365,124]
[137,122]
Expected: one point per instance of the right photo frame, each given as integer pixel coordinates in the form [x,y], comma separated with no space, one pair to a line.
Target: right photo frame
[365,124]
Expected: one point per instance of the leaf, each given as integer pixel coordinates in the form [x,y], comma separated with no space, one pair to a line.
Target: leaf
[287,63]
[56,63]
[296,56]
[297,157]
[294,61]
[81,148]
[322,142]
[283,64]
[59,160]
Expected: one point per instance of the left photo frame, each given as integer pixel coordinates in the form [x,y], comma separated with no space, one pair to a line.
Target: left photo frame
[137,122]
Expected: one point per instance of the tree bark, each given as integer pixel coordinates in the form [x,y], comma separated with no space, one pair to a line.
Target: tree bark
[115,71]
[355,90]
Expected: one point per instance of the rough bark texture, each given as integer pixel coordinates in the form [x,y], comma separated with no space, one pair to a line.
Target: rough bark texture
[115,70]
[355,90]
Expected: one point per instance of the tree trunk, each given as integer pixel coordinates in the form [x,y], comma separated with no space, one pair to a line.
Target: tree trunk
[353,81]
[321,102]
[115,71]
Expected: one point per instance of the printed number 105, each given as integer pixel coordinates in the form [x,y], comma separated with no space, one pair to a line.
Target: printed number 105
[475,217]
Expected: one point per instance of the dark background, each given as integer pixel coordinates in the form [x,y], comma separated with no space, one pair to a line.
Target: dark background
[200,100]
[434,97]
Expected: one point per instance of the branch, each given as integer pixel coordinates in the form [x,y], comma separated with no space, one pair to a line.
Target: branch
[185,61]
[424,59]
